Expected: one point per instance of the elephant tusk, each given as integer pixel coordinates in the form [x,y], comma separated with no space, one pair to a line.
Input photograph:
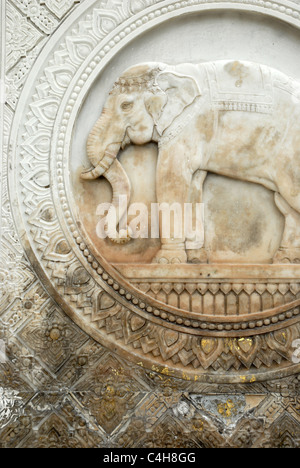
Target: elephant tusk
[92,174]
[126,141]
[102,167]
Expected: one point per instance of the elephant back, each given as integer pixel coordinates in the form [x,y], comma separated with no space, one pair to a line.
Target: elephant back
[240,86]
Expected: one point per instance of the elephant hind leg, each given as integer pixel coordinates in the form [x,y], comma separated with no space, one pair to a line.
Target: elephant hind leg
[289,251]
[195,242]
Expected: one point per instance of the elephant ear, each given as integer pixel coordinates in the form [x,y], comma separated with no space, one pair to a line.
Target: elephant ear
[181,92]
[155,104]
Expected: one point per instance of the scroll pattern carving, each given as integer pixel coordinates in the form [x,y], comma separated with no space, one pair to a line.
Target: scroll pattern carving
[38,14]
[60,8]
[28,38]
[21,36]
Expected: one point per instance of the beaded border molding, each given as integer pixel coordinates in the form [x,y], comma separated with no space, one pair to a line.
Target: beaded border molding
[90,290]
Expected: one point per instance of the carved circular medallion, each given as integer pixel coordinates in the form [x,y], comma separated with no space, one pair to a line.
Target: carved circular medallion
[226,320]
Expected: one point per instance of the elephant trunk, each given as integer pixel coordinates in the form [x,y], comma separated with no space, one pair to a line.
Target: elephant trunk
[120,183]
[102,154]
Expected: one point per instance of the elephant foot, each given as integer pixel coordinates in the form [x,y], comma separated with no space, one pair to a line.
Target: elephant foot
[197,256]
[165,257]
[287,255]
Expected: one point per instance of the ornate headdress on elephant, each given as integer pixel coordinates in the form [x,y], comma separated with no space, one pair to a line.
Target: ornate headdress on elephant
[166,94]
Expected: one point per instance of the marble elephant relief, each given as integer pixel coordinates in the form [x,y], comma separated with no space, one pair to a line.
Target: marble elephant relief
[235,119]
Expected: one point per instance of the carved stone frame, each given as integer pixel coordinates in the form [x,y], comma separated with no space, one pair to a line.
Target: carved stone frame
[139,327]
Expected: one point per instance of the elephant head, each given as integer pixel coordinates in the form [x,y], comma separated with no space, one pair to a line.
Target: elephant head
[142,104]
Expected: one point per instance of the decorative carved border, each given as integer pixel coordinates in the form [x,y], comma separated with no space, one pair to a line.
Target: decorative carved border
[144,329]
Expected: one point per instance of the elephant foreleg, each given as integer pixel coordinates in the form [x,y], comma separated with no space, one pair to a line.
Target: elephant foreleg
[173,182]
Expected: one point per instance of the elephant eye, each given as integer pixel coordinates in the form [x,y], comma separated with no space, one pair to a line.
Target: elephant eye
[126,106]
